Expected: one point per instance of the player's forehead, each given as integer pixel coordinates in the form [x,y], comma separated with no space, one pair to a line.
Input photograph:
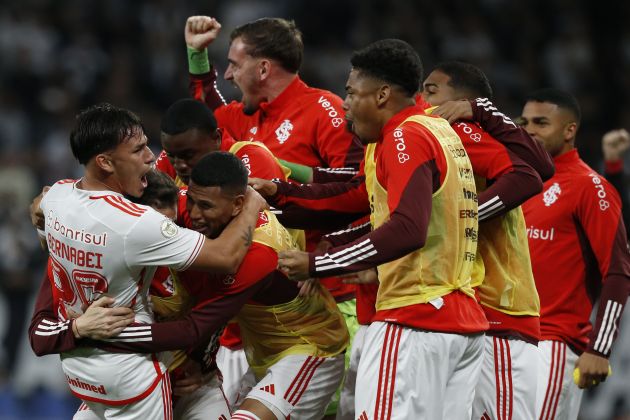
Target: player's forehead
[237,52]
[203,193]
[540,110]
[191,138]
[436,79]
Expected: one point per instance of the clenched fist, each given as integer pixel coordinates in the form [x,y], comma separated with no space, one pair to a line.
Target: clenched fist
[201,31]
[615,143]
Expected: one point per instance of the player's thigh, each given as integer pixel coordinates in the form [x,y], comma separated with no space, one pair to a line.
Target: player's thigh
[557,396]
[508,381]
[233,366]
[465,356]
[345,410]
[403,372]
[156,405]
[207,402]
[299,386]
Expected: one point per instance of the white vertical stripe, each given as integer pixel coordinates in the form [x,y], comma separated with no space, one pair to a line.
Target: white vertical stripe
[613,324]
[605,327]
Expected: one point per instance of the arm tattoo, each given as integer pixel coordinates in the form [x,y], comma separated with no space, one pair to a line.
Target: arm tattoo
[247,236]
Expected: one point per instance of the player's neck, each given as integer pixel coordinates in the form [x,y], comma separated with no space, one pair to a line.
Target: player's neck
[89,182]
[275,87]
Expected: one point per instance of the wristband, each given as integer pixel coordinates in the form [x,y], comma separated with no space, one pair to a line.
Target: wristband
[198,62]
[299,173]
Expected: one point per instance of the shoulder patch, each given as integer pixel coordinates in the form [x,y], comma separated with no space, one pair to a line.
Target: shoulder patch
[168,228]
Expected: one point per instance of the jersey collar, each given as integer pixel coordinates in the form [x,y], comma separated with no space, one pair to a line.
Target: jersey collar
[567,158]
[286,98]
[397,119]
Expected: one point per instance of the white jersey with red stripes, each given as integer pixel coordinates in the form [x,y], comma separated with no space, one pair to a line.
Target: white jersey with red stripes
[101,243]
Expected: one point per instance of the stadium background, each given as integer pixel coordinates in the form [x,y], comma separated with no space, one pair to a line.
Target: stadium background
[57,57]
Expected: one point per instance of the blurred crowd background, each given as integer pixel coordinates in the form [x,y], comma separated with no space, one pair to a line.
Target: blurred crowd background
[57,57]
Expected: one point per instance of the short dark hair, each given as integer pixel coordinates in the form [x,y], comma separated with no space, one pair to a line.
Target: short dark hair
[558,97]
[391,60]
[100,128]
[466,78]
[161,191]
[221,169]
[275,38]
[186,114]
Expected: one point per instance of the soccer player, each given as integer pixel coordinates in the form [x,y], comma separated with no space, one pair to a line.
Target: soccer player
[189,132]
[579,252]
[298,123]
[503,275]
[425,343]
[100,242]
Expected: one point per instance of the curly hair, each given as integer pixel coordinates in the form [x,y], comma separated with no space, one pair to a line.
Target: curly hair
[391,60]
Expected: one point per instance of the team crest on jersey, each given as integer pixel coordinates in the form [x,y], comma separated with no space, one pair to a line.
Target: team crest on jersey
[229,279]
[253,130]
[551,195]
[168,229]
[284,131]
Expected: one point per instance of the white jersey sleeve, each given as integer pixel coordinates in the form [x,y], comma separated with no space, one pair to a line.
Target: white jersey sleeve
[156,240]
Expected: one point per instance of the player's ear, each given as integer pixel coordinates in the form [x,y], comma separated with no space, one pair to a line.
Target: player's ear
[104,162]
[382,94]
[239,200]
[264,69]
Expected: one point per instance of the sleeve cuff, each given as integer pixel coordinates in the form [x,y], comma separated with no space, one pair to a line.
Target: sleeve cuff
[613,166]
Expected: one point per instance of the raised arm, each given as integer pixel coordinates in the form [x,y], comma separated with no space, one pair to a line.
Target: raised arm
[199,32]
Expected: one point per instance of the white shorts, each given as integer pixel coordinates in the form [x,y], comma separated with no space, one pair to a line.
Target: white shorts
[157,405]
[412,374]
[208,402]
[299,386]
[508,381]
[233,366]
[558,397]
[345,410]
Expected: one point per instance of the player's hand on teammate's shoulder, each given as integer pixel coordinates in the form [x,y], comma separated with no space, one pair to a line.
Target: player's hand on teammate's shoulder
[256,199]
[100,321]
[264,187]
[201,31]
[454,110]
